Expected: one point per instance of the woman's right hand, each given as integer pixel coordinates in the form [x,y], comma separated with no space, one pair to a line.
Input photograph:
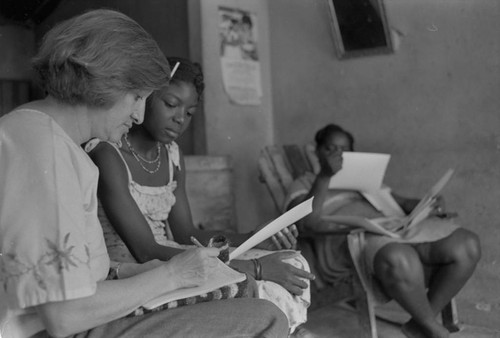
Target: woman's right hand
[285,239]
[330,163]
[192,267]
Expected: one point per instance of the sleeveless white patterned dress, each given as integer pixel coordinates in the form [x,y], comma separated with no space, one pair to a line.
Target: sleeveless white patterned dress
[155,204]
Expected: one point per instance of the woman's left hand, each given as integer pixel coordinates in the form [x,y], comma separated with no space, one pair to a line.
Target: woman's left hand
[284,239]
[284,274]
[438,207]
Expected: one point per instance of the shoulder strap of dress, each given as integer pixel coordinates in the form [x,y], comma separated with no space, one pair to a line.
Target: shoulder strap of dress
[173,159]
[95,141]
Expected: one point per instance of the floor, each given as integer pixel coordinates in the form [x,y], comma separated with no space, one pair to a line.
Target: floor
[339,321]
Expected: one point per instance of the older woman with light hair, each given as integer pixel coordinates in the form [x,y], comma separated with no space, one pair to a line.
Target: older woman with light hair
[97,70]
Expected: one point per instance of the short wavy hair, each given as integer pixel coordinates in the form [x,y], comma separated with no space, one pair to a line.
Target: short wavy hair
[94,58]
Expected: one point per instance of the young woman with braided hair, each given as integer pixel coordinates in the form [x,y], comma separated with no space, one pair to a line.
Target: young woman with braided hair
[145,209]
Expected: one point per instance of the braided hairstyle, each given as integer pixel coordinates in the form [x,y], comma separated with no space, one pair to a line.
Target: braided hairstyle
[189,72]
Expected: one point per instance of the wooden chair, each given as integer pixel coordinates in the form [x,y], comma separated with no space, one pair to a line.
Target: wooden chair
[278,167]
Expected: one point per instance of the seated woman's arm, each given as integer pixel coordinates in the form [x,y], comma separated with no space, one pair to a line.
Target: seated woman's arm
[274,269]
[121,208]
[113,299]
[126,270]
[314,222]
[330,163]
[318,190]
[439,210]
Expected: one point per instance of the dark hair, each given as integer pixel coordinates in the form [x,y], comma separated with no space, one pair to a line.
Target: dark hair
[324,133]
[246,19]
[189,72]
[93,58]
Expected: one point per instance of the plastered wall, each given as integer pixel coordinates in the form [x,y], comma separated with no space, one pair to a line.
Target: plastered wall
[239,131]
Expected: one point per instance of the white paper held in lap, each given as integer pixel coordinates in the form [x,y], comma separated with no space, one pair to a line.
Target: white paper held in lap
[361,171]
[425,206]
[287,219]
[392,225]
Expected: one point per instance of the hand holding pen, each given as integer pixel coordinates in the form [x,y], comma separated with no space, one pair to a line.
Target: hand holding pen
[196,242]
[220,242]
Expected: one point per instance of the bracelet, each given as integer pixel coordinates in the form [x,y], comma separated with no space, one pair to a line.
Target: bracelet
[113,272]
[117,270]
[258,269]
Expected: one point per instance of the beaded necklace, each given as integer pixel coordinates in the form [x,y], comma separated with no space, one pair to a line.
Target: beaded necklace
[139,158]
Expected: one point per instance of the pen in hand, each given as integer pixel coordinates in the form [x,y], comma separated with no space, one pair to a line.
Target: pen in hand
[196,242]
[222,246]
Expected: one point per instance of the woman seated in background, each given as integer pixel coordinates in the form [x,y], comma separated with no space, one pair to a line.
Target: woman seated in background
[145,211]
[423,270]
[97,70]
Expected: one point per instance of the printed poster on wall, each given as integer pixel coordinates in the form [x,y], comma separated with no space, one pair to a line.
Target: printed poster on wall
[239,56]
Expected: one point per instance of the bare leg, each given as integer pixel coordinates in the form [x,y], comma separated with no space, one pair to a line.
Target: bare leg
[302,332]
[401,273]
[455,257]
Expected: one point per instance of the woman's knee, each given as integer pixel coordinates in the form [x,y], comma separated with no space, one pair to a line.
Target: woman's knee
[466,246]
[397,262]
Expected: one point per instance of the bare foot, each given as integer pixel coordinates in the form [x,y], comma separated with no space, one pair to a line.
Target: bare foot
[302,332]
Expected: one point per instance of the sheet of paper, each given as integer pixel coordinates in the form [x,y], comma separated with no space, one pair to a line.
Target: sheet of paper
[383,201]
[424,207]
[361,171]
[287,219]
[220,276]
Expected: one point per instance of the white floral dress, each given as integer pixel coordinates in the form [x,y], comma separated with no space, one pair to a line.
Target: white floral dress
[156,202]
